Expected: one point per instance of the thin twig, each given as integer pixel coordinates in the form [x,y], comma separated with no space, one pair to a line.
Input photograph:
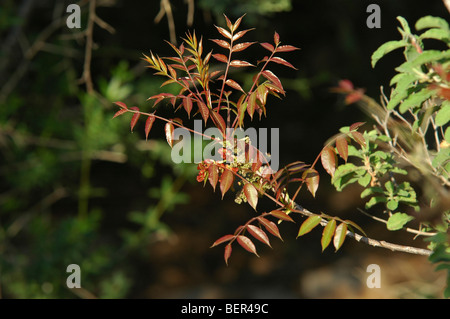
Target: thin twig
[86,77]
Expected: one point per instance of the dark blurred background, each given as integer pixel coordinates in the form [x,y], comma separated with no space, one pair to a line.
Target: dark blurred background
[76,187]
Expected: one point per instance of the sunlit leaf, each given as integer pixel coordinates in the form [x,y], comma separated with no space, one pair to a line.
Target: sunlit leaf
[339,235]
[273,78]
[342,147]
[169,128]
[251,194]
[224,32]
[121,104]
[286,48]
[308,225]
[240,64]
[222,240]
[283,62]
[242,46]
[359,138]
[270,226]
[213,175]
[222,43]
[220,57]
[398,220]
[267,46]
[247,244]
[234,85]
[276,38]
[281,215]
[226,180]
[311,176]
[259,234]
[328,159]
[327,234]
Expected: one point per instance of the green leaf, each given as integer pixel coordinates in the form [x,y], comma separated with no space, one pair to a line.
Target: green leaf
[344,175]
[447,134]
[375,200]
[404,24]
[431,22]
[385,49]
[365,179]
[309,225]
[398,220]
[389,187]
[437,34]
[392,205]
[425,57]
[415,99]
[371,191]
[400,91]
[443,115]
[327,234]
[339,235]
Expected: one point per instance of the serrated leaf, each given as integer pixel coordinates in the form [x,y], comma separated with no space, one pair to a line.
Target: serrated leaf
[398,220]
[385,49]
[148,125]
[312,178]
[328,159]
[328,233]
[226,180]
[251,194]
[247,244]
[168,129]
[339,235]
[309,224]
[222,240]
[259,234]
[270,226]
[342,147]
[443,115]
[227,253]
[281,215]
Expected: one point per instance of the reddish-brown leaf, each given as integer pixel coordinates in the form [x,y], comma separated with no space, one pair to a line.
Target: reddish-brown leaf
[213,175]
[148,125]
[120,112]
[226,180]
[312,180]
[219,121]
[346,85]
[342,147]
[267,46]
[276,38]
[247,244]
[242,46]
[135,117]
[259,234]
[251,105]
[354,96]
[358,138]
[287,48]
[229,24]
[252,194]
[204,111]
[236,23]
[227,253]
[224,32]
[240,34]
[169,133]
[222,43]
[281,215]
[222,240]
[121,104]
[187,104]
[273,78]
[270,226]
[234,85]
[328,159]
[356,126]
[220,57]
[283,62]
[240,63]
